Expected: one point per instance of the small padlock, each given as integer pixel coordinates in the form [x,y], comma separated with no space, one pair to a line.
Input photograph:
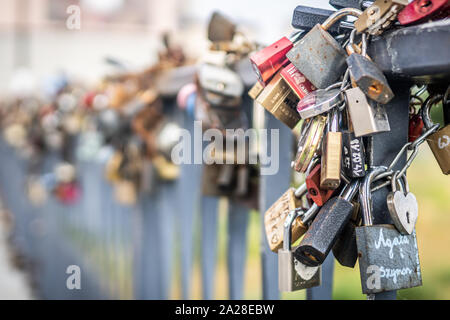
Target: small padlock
[269,60]
[319,101]
[419,11]
[366,74]
[279,99]
[353,155]
[415,127]
[439,141]
[309,142]
[402,205]
[298,83]
[289,279]
[275,216]
[379,16]
[220,80]
[330,173]
[326,227]
[388,260]
[367,116]
[318,195]
[318,55]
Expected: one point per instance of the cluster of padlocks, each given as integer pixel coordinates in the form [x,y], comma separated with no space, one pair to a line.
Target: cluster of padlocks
[122,119]
[323,83]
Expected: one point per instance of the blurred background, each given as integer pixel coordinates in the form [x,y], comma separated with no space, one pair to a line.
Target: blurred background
[36,46]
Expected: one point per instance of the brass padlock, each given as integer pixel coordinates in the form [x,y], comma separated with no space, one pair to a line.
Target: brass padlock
[379,16]
[330,173]
[279,99]
[255,90]
[318,55]
[439,141]
[220,28]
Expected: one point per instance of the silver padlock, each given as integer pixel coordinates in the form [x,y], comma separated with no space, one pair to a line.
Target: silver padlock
[220,80]
[293,275]
[388,260]
[367,116]
[318,56]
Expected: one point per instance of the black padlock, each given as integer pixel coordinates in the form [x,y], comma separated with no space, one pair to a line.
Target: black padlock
[353,155]
[326,227]
[345,249]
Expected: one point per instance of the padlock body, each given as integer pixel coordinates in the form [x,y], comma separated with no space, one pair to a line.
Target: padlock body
[319,57]
[318,195]
[419,11]
[368,117]
[255,90]
[220,28]
[288,278]
[388,260]
[439,143]
[278,98]
[369,78]
[353,157]
[269,60]
[297,81]
[274,219]
[323,231]
[345,249]
[330,173]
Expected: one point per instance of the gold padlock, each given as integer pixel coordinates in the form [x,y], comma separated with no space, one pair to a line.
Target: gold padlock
[279,99]
[256,90]
[439,141]
[330,173]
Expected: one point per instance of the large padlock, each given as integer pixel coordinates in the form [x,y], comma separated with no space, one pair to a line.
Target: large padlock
[279,99]
[367,116]
[292,274]
[366,74]
[388,260]
[439,141]
[326,227]
[330,173]
[318,55]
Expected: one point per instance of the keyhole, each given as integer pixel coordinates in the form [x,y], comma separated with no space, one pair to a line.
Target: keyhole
[425,6]
[375,89]
[407,217]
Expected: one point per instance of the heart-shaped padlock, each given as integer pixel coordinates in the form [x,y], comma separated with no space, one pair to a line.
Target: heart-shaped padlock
[402,205]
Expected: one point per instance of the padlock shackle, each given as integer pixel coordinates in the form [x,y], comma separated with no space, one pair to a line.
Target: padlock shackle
[425,110]
[365,197]
[338,15]
[310,214]
[395,181]
[287,229]
[350,190]
[300,191]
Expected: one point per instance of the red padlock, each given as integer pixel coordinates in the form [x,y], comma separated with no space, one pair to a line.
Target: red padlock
[421,10]
[319,196]
[415,127]
[297,81]
[269,60]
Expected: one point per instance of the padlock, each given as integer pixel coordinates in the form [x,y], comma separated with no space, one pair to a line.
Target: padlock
[268,61]
[415,127]
[220,28]
[318,56]
[278,98]
[388,260]
[345,250]
[309,142]
[220,80]
[275,216]
[326,227]
[366,74]
[298,83]
[439,141]
[318,195]
[419,11]
[402,205]
[330,173]
[288,278]
[305,18]
[319,101]
[353,154]
[379,16]
[367,116]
